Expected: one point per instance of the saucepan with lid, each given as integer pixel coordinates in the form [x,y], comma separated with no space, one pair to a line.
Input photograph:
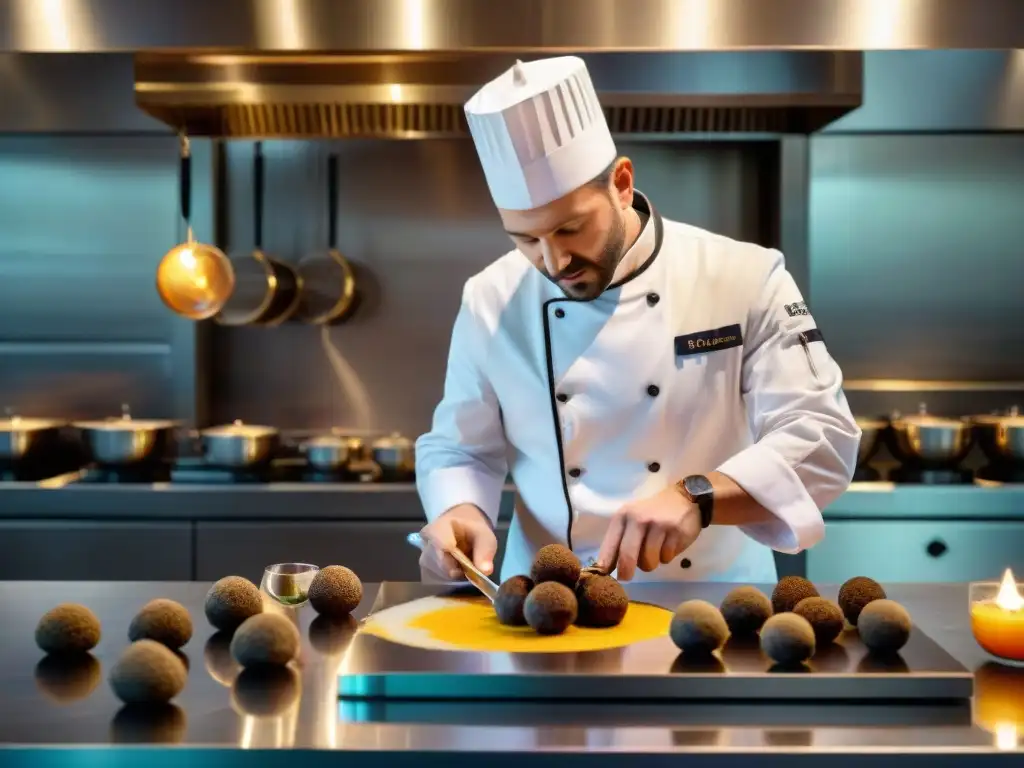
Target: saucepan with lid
[26,438]
[239,445]
[929,441]
[871,431]
[355,445]
[396,456]
[120,441]
[1000,436]
[327,453]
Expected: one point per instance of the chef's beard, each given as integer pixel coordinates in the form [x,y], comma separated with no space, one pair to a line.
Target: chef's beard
[598,272]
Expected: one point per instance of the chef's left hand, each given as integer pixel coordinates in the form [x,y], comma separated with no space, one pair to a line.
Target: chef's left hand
[649,532]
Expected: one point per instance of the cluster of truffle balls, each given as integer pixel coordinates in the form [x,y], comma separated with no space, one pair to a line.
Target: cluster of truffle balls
[152,669]
[559,593]
[795,621]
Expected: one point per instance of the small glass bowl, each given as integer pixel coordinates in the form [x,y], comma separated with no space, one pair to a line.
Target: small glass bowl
[998,630]
[288,583]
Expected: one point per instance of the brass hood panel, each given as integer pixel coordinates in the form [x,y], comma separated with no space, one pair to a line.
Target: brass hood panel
[422,95]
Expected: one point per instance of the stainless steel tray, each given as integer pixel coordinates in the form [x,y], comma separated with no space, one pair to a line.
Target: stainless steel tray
[652,670]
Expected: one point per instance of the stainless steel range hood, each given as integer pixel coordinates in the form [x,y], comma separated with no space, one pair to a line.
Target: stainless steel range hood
[416,26]
[402,68]
[421,95]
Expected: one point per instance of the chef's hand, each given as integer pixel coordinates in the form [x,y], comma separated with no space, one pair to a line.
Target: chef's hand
[465,527]
[649,532]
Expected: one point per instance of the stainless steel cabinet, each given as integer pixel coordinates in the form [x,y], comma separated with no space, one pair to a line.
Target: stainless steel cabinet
[376,551]
[917,551]
[95,551]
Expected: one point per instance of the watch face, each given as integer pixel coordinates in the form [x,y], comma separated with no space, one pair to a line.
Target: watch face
[697,485]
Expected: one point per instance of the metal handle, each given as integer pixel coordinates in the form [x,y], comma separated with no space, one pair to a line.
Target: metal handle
[464,562]
[185,181]
[332,202]
[257,185]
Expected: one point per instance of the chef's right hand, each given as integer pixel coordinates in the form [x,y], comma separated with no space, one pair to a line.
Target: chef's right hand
[465,527]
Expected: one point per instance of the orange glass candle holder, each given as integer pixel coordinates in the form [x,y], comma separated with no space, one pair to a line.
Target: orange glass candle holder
[997,617]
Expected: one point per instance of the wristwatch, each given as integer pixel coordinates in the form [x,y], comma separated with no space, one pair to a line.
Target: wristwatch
[698,489]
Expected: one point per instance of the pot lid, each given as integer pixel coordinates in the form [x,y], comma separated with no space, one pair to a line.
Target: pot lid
[329,441]
[1011,421]
[126,424]
[924,419]
[865,422]
[394,440]
[1011,414]
[239,429]
[19,424]
[927,420]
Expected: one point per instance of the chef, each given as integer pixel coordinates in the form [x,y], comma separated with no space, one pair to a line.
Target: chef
[660,394]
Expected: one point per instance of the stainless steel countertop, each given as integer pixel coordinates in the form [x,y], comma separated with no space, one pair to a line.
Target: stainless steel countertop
[37,730]
[398,501]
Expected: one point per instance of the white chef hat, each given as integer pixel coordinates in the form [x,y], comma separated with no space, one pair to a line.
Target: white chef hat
[540,132]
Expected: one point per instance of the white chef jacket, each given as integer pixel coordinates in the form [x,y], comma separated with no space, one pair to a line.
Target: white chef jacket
[703,358]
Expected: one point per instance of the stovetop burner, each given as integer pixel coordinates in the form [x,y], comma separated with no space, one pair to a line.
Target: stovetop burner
[310,475]
[282,470]
[29,471]
[915,476]
[193,470]
[129,475]
[1001,474]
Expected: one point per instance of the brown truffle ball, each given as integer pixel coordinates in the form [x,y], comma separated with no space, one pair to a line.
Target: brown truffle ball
[602,602]
[68,628]
[265,639]
[787,639]
[745,610]
[884,626]
[789,591]
[698,628]
[856,593]
[148,672]
[231,601]
[335,591]
[550,608]
[511,600]
[824,616]
[165,621]
[556,563]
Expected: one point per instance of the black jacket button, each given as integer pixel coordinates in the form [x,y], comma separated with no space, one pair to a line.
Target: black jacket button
[652,299]
[575,472]
[653,390]
[685,563]
[654,466]
[559,312]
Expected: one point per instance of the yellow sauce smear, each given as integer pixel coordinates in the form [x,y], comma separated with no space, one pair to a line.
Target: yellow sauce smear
[470,624]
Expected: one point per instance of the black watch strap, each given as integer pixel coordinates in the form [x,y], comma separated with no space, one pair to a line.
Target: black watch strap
[699,490]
